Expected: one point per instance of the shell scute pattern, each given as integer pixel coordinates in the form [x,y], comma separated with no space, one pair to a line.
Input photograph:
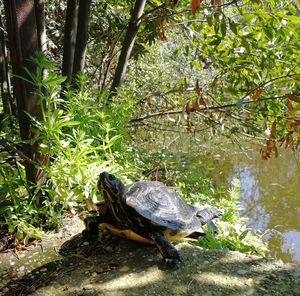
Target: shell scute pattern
[158,203]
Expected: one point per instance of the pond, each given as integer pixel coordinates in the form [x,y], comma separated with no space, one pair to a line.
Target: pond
[270,195]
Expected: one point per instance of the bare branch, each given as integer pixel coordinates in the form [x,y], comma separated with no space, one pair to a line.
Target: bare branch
[10,147]
[207,108]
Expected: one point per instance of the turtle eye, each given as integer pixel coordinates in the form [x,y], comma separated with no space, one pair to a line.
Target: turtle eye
[111,177]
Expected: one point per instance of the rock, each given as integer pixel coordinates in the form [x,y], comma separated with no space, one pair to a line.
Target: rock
[124,269]
[88,287]
[241,272]
[249,282]
[250,292]
[109,249]
[21,271]
[262,288]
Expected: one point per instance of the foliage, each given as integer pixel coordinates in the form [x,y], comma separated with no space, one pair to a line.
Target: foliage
[232,232]
[225,68]
[188,177]
[79,144]
[231,69]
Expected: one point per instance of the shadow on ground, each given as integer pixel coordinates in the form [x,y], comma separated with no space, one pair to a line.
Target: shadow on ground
[120,267]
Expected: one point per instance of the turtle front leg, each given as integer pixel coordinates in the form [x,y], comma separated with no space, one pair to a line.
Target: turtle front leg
[92,227]
[92,222]
[167,250]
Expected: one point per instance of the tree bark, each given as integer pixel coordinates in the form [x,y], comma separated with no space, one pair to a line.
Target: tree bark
[70,39]
[7,99]
[41,24]
[81,37]
[41,29]
[23,41]
[128,43]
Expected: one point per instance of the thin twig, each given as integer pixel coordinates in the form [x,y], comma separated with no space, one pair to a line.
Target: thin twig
[8,146]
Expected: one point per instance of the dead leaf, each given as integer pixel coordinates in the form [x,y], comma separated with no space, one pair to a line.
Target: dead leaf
[289,105]
[293,98]
[271,145]
[149,100]
[293,125]
[194,5]
[195,106]
[54,274]
[198,89]
[162,33]
[189,126]
[162,36]
[264,153]
[202,101]
[257,94]
[187,108]
[273,130]
[93,280]
[287,141]
[217,2]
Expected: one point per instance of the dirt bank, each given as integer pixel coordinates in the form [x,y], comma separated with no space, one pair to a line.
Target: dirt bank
[119,267]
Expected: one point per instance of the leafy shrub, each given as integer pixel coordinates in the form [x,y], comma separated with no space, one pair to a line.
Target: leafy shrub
[233,234]
[80,140]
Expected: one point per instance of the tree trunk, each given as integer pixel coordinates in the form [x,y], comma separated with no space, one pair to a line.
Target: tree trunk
[81,37]
[41,24]
[128,43]
[23,41]
[70,39]
[41,29]
[7,100]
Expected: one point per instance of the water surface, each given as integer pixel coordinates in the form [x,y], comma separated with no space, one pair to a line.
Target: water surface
[270,191]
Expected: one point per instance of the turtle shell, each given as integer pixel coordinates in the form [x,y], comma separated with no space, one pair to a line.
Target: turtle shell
[161,205]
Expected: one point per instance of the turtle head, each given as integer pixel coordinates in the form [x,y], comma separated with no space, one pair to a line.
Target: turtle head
[110,187]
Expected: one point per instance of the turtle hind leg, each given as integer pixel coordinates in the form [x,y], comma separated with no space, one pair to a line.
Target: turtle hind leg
[167,250]
[212,229]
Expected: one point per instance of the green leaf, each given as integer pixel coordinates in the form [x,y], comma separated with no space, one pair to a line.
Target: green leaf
[269,32]
[233,26]
[54,79]
[223,27]
[197,64]
[243,234]
[217,26]
[240,103]
[209,19]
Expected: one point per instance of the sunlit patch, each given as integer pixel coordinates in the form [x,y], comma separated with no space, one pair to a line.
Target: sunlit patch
[220,279]
[127,281]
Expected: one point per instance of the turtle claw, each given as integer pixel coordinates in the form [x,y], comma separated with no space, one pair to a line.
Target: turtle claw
[174,262]
[88,235]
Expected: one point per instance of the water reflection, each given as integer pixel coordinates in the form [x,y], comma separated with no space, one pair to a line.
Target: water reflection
[291,243]
[270,193]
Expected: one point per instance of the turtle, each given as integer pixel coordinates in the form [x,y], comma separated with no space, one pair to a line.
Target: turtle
[149,212]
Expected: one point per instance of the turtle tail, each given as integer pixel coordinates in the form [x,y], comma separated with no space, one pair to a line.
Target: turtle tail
[207,214]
